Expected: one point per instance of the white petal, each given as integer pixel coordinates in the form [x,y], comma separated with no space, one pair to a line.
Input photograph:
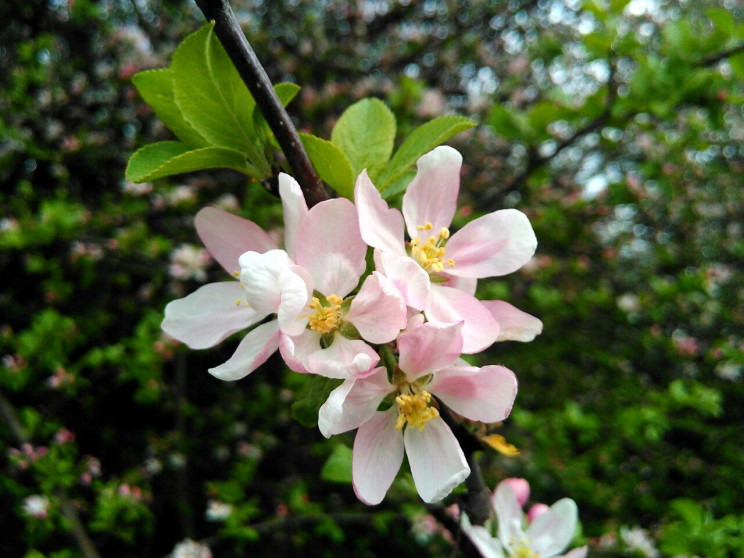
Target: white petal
[343,359]
[296,349]
[259,274]
[378,311]
[482,540]
[515,325]
[253,351]
[407,275]
[208,315]
[295,209]
[552,531]
[508,513]
[381,227]
[377,455]
[437,462]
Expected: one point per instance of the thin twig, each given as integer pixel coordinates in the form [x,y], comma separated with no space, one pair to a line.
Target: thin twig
[85,544]
[716,58]
[253,74]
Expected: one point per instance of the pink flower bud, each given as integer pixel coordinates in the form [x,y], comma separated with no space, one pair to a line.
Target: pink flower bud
[535,511]
[521,489]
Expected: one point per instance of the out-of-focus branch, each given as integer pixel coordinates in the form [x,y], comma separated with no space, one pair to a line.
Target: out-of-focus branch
[716,58]
[253,74]
[85,544]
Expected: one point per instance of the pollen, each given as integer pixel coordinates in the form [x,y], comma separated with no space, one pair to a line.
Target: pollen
[431,253]
[414,410]
[326,319]
[524,551]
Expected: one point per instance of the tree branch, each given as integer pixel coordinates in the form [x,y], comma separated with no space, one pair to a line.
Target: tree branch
[253,74]
[716,58]
[85,544]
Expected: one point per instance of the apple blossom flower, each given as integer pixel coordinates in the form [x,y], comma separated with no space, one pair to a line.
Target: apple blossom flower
[547,535]
[191,549]
[36,506]
[437,273]
[428,366]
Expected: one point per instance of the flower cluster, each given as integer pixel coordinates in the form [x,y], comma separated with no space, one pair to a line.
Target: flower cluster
[318,302]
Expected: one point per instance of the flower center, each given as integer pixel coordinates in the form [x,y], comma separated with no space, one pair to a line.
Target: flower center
[414,409]
[326,318]
[524,551]
[430,254]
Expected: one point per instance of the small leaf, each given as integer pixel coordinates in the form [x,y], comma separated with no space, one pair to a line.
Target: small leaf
[737,65]
[212,96]
[172,157]
[338,466]
[422,140]
[399,186]
[365,132]
[286,92]
[332,165]
[311,399]
[156,88]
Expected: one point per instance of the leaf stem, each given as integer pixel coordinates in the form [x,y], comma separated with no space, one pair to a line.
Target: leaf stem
[253,74]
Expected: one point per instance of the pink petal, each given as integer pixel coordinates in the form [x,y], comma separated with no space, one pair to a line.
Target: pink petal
[483,394]
[515,324]
[535,511]
[208,315]
[580,552]
[295,295]
[432,195]
[428,348]
[227,236]
[488,546]
[376,458]
[295,209]
[407,275]
[437,462]
[465,284]
[508,513]
[296,349]
[253,351]
[521,489]
[381,226]
[552,531]
[493,245]
[353,403]
[448,305]
[329,246]
[378,311]
[259,274]
[343,359]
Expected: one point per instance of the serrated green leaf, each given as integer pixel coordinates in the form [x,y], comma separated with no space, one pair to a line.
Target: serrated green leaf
[365,132]
[167,158]
[332,165]
[422,140]
[213,98]
[337,467]
[311,398]
[156,88]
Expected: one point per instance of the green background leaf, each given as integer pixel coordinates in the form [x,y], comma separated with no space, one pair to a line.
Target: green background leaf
[337,467]
[332,165]
[311,398]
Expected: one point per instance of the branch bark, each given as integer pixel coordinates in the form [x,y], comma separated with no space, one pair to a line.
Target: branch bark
[253,74]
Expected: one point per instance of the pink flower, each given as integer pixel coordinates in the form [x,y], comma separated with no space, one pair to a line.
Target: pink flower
[547,535]
[428,366]
[436,273]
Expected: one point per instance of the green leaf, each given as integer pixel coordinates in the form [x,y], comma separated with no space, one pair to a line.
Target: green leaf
[173,157]
[723,20]
[737,65]
[365,132]
[332,165]
[286,92]
[338,466]
[156,88]
[510,124]
[422,140]
[213,98]
[399,186]
[311,398]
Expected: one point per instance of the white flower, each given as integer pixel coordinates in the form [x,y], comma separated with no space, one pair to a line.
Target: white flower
[217,511]
[637,539]
[191,549]
[36,506]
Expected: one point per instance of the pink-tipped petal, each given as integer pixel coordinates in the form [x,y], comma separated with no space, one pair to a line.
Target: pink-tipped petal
[227,236]
[580,552]
[488,546]
[296,349]
[343,359]
[483,394]
[408,277]
[428,348]
[521,489]
[376,458]
[295,209]
[465,284]
[253,351]
[515,324]
[508,513]
[432,195]
[378,310]
[536,511]
[259,274]
[208,315]
[552,531]
[493,245]
[329,246]
[437,462]
[479,329]
[381,227]
[353,403]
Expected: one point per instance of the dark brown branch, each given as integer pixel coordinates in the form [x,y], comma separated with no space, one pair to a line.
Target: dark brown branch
[85,544]
[250,69]
[716,58]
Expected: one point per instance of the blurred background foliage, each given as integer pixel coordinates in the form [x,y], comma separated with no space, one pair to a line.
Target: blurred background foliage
[616,125]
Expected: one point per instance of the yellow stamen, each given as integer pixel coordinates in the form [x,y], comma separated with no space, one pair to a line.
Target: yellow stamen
[425,227]
[326,319]
[524,551]
[431,254]
[236,273]
[414,410]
